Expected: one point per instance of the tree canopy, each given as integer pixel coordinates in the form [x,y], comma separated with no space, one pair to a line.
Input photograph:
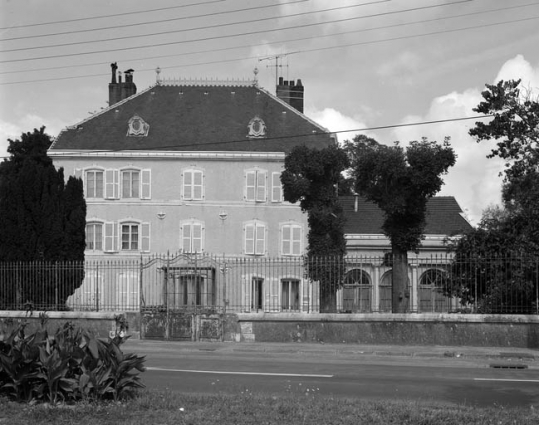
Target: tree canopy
[43,218]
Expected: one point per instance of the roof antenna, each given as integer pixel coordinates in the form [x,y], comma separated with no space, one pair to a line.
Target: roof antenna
[278,64]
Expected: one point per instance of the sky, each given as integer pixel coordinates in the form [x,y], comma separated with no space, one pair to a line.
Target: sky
[374,67]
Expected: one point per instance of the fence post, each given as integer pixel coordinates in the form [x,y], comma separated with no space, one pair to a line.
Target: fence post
[97,287]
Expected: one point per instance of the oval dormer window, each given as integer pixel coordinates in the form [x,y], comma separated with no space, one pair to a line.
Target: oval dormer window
[137,127]
[257,128]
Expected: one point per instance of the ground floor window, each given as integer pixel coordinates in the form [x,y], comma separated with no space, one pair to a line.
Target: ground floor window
[257,293]
[290,295]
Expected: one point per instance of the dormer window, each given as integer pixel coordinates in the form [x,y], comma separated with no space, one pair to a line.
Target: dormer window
[137,127]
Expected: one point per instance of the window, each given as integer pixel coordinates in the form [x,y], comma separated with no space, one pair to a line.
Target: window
[192,236]
[431,296]
[291,239]
[130,237]
[130,183]
[257,293]
[290,295]
[94,236]
[135,236]
[193,185]
[255,238]
[94,184]
[276,188]
[357,292]
[255,185]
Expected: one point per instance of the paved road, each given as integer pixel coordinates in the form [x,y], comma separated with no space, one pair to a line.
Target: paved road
[353,374]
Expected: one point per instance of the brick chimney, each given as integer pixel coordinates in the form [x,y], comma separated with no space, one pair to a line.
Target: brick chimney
[119,90]
[291,92]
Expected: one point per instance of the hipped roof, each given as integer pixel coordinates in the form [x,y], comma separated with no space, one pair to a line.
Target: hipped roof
[196,118]
[444,217]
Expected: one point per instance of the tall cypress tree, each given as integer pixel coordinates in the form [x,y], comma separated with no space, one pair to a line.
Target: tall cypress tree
[41,219]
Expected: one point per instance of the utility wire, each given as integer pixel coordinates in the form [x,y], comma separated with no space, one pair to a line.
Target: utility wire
[115,27]
[321,133]
[36,24]
[292,52]
[423,21]
[233,35]
[205,27]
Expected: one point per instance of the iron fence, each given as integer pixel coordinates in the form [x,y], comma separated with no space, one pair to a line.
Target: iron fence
[205,283]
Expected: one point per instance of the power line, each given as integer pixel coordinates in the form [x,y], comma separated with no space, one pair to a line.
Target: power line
[280,41]
[234,35]
[131,37]
[36,24]
[321,133]
[205,15]
[291,52]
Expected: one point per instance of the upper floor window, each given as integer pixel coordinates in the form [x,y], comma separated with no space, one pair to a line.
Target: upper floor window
[134,236]
[255,185]
[276,187]
[255,238]
[130,183]
[192,236]
[291,235]
[94,236]
[193,185]
[116,184]
[94,183]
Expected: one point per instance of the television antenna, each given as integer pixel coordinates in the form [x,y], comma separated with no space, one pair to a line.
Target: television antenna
[278,64]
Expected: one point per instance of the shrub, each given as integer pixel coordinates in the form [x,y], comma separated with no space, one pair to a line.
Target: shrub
[68,366]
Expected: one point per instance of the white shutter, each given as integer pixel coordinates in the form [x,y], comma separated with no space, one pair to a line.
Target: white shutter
[197,238]
[249,231]
[296,240]
[146,184]
[198,185]
[250,185]
[111,184]
[188,185]
[260,239]
[111,237]
[261,186]
[186,237]
[286,240]
[276,188]
[145,237]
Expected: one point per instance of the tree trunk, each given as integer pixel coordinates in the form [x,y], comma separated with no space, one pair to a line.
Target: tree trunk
[328,299]
[400,290]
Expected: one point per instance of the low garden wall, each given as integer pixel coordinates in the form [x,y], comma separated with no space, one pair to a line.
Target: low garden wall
[401,329]
[472,330]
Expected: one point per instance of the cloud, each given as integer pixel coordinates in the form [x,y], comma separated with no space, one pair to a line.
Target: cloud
[402,69]
[13,130]
[474,180]
[336,121]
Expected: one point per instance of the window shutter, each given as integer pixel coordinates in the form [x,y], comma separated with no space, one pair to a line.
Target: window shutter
[197,185]
[250,185]
[186,237]
[111,237]
[197,237]
[261,186]
[260,239]
[276,188]
[145,241]
[296,240]
[111,184]
[286,240]
[249,239]
[188,185]
[146,184]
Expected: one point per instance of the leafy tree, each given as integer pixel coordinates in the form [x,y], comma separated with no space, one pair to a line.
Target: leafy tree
[491,270]
[400,182]
[43,219]
[501,275]
[311,177]
[515,129]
